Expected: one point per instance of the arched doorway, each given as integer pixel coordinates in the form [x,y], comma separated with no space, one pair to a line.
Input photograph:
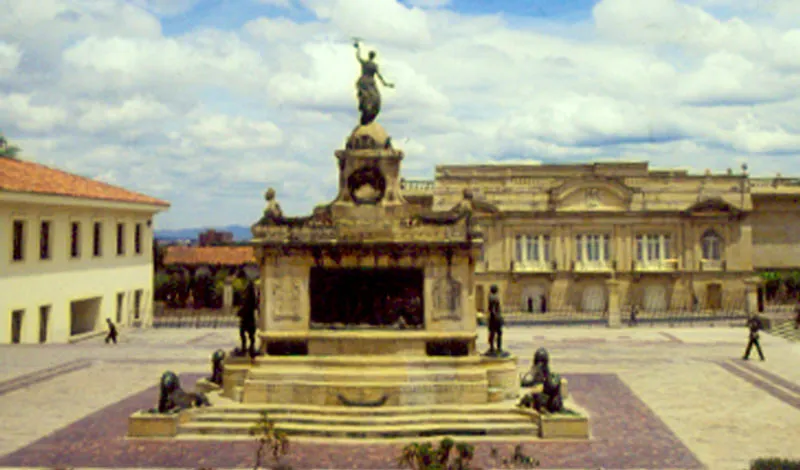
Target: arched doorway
[655,298]
[593,298]
[714,296]
[534,300]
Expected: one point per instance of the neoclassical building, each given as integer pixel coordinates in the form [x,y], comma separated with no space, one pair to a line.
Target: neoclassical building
[73,252]
[569,237]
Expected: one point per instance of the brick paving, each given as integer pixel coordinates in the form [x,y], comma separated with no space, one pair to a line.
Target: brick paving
[654,402]
[625,434]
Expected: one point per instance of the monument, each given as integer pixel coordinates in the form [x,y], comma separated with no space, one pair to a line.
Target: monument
[366,324]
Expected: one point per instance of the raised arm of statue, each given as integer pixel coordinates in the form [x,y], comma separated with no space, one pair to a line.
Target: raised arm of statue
[357,45]
[387,85]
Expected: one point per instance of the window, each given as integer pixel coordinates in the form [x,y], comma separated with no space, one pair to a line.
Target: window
[652,247]
[137,239]
[712,246]
[120,239]
[532,248]
[120,304]
[137,303]
[44,317]
[75,240]
[16,326]
[19,241]
[44,240]
[97,239]
[592,248]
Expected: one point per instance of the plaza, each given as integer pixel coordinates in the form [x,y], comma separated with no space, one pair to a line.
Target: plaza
[657,398]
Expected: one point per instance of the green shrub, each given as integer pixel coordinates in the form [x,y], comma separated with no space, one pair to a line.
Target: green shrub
[270,438]
[161,286]
[774,463]
[424,457]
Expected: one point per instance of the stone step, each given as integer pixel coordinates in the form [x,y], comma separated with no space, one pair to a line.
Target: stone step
[393,393]
[366,374]
[379,431]
[399,382]
[368,361]
[786,330]
[256,409]
[373,420]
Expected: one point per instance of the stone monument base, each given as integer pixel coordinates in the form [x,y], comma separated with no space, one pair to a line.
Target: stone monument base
[363,380]
[572,423]
[143,424]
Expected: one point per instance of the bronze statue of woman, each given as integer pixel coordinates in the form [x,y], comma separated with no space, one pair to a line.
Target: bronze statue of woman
[369,98]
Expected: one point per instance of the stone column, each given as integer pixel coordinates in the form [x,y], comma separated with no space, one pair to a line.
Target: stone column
[266,268]
[751,296]
[614,314]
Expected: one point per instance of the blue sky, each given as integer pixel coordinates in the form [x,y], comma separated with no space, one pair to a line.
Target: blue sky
[207,103]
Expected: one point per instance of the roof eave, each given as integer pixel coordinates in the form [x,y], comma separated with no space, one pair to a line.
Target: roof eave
[29,197]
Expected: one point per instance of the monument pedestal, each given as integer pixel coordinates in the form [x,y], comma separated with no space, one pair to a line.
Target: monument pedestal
[368,324]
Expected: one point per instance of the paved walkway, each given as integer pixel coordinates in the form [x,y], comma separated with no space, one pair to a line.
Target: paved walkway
[724,410]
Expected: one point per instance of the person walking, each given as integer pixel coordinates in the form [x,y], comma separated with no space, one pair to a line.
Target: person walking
[112,332]
[634,311]
[754,324]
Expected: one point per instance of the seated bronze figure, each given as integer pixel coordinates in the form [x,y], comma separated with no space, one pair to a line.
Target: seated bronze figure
[549,399]
[173,399]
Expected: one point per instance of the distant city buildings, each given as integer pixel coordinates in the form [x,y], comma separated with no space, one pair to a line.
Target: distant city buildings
[212,237]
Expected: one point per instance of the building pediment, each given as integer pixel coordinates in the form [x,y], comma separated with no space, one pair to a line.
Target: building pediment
[597,194]
[711,206]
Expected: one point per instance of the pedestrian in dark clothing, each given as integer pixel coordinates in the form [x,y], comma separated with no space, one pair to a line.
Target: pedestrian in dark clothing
[112,332]
[754,324]
[495,323]
[634,312]
[247,319]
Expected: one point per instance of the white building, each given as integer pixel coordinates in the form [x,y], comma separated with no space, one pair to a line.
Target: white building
[73,252]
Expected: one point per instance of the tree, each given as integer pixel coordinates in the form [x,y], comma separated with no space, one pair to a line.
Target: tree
[7,151]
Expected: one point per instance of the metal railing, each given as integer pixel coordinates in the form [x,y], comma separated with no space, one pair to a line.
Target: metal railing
[194,318]
[417,185]
[572,311]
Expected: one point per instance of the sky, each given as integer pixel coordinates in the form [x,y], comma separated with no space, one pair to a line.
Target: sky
[207,103]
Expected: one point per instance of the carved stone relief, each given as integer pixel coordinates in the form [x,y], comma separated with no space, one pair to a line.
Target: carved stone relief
[592,197]
[447,299]
[287,297]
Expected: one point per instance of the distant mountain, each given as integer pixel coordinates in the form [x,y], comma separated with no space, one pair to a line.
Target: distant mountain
[240,233]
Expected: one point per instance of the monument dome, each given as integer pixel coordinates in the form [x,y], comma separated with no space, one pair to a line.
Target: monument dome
[371,136]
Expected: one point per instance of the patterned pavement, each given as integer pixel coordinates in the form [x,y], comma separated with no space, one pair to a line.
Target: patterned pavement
[625,434]
[658,398]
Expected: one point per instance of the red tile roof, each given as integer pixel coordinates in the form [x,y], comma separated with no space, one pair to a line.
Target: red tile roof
[29,177]
[210,255]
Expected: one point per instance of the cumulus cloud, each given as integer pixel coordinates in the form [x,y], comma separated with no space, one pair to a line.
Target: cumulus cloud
[10,56]
[99,87]
[276,3]
[430,3]
[166,7]
[18,111]
[134,65]
[42,28]
[228,133]
[385,21]
[136,111]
